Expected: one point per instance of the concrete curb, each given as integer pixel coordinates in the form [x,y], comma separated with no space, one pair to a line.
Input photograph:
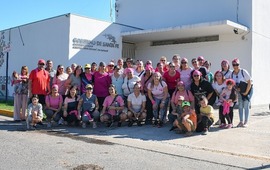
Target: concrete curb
[6,113]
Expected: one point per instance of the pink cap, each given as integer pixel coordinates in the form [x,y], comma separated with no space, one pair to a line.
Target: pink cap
[200,58]
[180,83]
[41,61]
[236,60]
[197,72]
[225,61]
[149,67]
[129,70]
[230,81]
[55,86]
[184,59]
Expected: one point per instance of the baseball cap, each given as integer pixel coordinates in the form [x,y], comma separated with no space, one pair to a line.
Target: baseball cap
[196,72]
[55,86]
[102,64]
[89,86]
[41,61]
[200,58]
[87,66]
[185,103]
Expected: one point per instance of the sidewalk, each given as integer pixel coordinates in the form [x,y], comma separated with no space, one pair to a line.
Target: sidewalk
[252,142]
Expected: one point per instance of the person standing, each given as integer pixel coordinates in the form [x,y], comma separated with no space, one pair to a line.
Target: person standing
[60,79]
[52,72]
[21,94]
[245,91]
[39,82]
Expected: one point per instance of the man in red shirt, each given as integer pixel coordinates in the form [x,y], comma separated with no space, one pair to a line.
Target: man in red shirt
[39,82]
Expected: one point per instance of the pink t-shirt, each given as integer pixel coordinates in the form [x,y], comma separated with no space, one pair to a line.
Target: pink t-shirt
[108,102]
[54,101]
[186,77]
[171,80]
[188,96]
[158,91]
[60,81]
[101,84]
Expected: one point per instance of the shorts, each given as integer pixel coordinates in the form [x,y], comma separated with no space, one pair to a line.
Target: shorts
[183,126]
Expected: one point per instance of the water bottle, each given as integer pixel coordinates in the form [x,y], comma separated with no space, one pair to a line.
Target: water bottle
[116,105]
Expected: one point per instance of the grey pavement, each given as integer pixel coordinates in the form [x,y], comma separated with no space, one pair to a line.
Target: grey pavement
[236,148]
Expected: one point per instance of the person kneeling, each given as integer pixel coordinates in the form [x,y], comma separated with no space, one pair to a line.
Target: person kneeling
[187,121]
[136,106]
[34,113]
[113,107]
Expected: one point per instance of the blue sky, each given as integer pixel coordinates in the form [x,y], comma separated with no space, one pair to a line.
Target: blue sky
[18,12]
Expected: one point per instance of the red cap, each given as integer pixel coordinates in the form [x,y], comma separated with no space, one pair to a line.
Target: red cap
[41,61]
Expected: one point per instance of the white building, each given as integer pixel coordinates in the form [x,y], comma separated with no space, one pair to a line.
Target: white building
[215,29]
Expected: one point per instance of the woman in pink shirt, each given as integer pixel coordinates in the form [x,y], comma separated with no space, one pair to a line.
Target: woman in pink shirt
[60,79]
[185,71]
[54,103]
[113,107]
[102,81]
[180,91]
[159,96]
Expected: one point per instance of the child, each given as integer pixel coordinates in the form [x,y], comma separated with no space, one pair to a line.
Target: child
[177,113]
[34,113]
[206,116]
[227,97]
[187,121]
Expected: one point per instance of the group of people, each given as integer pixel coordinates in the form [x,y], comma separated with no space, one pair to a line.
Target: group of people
[138,92]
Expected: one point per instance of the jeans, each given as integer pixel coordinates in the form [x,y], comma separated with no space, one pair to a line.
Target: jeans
[162,111]
[243,105]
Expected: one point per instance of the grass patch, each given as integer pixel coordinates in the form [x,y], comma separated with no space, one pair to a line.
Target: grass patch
[9,105]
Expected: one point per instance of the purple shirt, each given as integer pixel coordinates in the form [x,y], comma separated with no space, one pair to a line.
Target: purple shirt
[101,84]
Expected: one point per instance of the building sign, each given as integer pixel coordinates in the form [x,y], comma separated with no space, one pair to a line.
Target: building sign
[102,46]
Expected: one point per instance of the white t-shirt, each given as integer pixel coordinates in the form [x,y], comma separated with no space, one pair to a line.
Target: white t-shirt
[227,74]
[239,77]
[136,102]
[186,77]
[157,91]
[128,85]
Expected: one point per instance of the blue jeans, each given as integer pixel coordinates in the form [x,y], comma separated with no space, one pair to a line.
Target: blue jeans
[243,105]
[162,111]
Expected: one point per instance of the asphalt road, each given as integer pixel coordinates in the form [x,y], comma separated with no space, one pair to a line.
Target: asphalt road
[143,147]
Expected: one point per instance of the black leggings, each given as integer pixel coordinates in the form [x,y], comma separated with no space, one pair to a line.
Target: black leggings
[205,123]
[228,117]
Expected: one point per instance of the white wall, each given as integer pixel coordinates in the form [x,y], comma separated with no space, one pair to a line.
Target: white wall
[47,39]
[261,51]
[159,13]
[228,47]
[97,32]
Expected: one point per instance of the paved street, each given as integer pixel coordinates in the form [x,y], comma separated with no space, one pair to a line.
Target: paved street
[143,147]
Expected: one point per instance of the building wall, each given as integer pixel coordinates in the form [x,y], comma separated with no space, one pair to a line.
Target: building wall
[94,41]
[261,51]
[159,14]
[47,39]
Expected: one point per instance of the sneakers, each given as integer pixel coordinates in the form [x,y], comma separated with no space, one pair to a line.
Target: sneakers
[94,125]
[119,124]
[205,132]
[240,124]
[229,126]
[160,124]
[60,122]
[218,122]
[155,123]
[223,125]
[130,123]
[172,128]
[245,125]
[40,123]
[188,134]
[139,123]
[49,125]
[83,125]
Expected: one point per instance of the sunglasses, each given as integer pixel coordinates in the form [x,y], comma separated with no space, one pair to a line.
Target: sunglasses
[86,68]
[60,68]
[183,62]
[162,60]
[89,88]
[235,64]
[41,64]
[193,62]
[196,75]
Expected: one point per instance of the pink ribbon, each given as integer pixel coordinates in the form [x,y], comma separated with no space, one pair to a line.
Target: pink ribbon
[75,112]
[226,107]
[88,115]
